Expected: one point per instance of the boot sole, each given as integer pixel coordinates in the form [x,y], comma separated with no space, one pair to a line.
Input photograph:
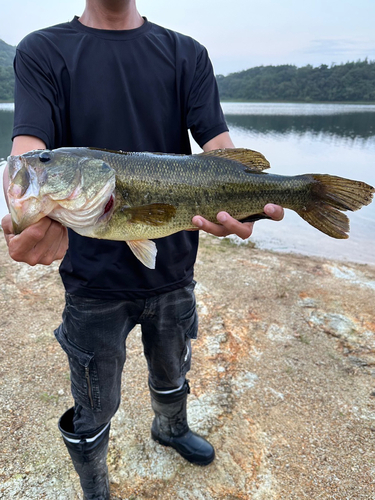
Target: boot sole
[184,455]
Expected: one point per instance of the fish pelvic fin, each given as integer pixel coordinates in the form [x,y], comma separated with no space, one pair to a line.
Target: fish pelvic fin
[330,196]
[145,251]
[253,160]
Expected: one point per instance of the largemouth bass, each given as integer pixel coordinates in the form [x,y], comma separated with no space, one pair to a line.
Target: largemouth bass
[137,197]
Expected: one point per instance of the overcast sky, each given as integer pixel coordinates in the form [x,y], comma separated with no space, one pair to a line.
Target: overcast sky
[239,34]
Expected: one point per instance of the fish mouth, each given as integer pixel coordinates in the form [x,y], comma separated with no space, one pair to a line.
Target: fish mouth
[25,205]
[17,220]
[25,212]
[15,163]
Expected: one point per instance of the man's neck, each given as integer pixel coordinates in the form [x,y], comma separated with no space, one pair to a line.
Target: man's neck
[111,15]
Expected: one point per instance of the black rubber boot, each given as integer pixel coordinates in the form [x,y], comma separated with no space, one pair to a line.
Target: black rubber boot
[170,427]
[89,456]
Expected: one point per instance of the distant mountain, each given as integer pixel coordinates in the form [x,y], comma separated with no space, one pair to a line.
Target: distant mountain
[350,82]
[7,53]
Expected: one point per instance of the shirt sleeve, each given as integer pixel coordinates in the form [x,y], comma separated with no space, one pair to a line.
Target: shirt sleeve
[34,98]
[205,118]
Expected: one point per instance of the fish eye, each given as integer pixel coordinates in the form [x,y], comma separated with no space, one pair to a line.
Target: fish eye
[105,168]
[45,156]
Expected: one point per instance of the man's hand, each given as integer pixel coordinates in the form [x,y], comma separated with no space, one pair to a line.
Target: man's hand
[227,225]
[41,243]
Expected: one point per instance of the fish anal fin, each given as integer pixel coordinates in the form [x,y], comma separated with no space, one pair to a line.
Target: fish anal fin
[155,214]
[145,251]
[253,160]
[327,219]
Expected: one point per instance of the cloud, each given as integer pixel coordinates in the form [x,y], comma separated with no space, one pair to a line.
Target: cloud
[340,46]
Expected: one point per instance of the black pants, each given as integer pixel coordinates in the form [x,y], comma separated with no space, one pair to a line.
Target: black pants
[94,332]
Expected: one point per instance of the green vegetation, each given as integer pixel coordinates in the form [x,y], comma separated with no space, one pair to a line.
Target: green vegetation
[48,398]
[350,82]
[7,53]
[6,84]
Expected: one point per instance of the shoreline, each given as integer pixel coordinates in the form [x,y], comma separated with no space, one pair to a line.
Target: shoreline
[261,245]
[370,103]
[238,101]
[281,384]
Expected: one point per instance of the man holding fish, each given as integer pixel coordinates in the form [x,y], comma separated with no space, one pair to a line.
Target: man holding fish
[112,79]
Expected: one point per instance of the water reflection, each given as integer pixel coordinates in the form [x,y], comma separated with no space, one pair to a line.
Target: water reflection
[326,121]
[299,138]
[345,125]
[294,109]
[6,125]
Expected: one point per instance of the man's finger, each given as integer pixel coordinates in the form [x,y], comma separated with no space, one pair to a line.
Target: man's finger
[274,211]
[6,224]
[233,226]
[209,227]
[227,225]
[54,245]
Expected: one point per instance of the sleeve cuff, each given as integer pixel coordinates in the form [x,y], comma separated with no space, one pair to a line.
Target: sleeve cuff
[202,139]
[34,131]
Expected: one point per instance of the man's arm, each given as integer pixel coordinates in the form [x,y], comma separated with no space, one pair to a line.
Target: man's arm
[227,225]
[43,242]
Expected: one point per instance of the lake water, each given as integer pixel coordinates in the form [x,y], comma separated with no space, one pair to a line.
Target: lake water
[337,139]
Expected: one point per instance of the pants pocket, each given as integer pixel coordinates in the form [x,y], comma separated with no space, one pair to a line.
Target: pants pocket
[83,372]
[188,316]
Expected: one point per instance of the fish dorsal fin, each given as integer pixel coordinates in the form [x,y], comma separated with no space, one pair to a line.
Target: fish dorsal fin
[253,160]
[145,251]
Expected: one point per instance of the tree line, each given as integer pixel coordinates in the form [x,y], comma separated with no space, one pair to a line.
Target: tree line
[7,53]
[6,84]
[349,82]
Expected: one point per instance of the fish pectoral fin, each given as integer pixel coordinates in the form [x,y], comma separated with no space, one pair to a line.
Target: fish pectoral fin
[255,217]
[253,160]
[145,251]
[155,214]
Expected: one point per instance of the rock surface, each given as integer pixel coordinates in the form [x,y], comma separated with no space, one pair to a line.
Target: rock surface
[283,385]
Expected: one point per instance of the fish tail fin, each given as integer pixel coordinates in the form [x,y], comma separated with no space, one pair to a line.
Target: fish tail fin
[330,196]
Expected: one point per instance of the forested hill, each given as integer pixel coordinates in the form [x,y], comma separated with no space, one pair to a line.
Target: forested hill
[7,53]
[350,82]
